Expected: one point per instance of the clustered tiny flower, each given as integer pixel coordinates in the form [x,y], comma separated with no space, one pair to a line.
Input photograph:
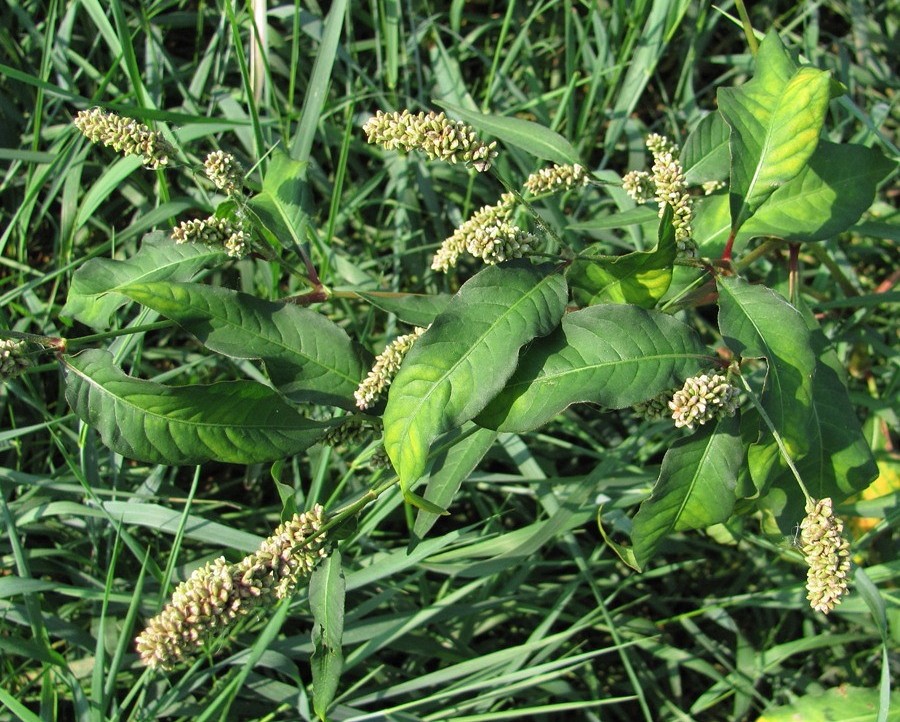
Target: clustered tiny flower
[125,135]
[666,182]
[703,398]
[710,187]
[224,171]
[435,134]
[655,408]
[489,234]
[387,364]
[827,554]
[213,231]
[219,593]
[556,178]
[13,358]
[350,431]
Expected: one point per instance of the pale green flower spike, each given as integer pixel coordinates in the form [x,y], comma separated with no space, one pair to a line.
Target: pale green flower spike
[703,398]
[827,554]
[433,133]
[555,178]
[214,231]
[387,364]
[488,234]
[224,171]
[125,135]
[218,593]
[639,185]
[13,358]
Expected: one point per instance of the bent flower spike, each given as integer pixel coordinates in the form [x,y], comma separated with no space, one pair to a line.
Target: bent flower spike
[214,231]
[433,133]
[125,135]
[218,593]
[702,398]
[387,364]
[827,554]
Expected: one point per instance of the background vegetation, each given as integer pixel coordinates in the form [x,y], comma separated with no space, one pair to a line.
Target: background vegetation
[497,612]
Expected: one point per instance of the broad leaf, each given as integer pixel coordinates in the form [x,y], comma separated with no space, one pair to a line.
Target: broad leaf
[705,156]
[277,205]
[631,217]
[775,122]
[308,357]
[639,278]
[240,422]
[825,198]
[413,308]
[466,356]
[94,295]
[695,487]
[451,467]
[612,355]
[758,323]
[531,137]
[845,703]
[327,593]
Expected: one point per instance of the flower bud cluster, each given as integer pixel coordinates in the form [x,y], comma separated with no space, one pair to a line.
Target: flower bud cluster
[349,432]
[219,593]
[435,134]
[387,364]
[213,231]
[556,178]
[489,234]
[125,135]
[13,358]
[666,182]
[702,398]
[224,171]
[655,408]
[827,554]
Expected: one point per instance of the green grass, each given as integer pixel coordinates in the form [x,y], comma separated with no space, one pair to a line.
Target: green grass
[511,606]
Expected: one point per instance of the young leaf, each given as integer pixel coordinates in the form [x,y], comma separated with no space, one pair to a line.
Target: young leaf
[639,278]
[775,122]
[695,487]
[327,593]
[613,355]
[466,356]
[277,205]
[308,357]
[758,323]
[704,156]
[531,137]
[240,422]
[94,294]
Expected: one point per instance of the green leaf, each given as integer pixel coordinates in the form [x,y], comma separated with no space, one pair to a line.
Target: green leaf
[531,137]
[639,278]
[825,198]
[94,294]
[240,422]
[327,593]
[459,364]
[705,156]
[844,703]
[452,465]
[775,122]
[308,357]
[278,205]
[631,217]
[412,308]
[612,355]
[695,488]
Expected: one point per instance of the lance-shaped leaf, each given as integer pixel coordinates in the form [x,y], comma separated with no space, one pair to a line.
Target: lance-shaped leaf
[240,422]
[308,357]
[413,308]
[775,122]
[531,137]
[828,195]
[327,593]
[758,323]
[95,291]
[639,278]
[695,488]
[277,205]
[466,356]
[705,156]
[612,355]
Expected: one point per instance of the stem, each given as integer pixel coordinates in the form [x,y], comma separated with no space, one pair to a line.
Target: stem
[748,27]
[781,447]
